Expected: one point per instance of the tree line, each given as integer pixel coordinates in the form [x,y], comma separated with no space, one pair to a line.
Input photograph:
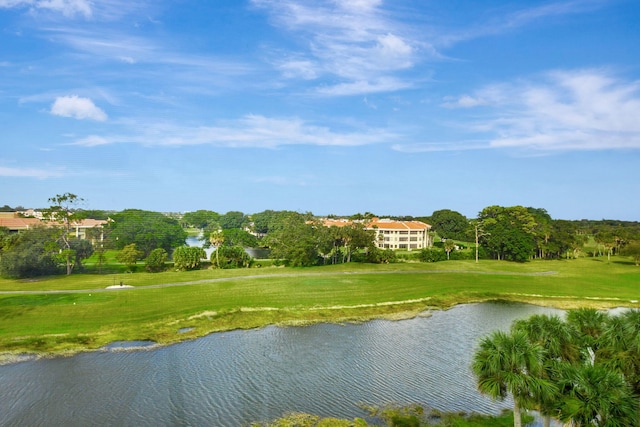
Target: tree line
[513,233]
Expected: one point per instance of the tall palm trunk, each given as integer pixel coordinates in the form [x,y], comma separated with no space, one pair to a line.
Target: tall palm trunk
[517,417]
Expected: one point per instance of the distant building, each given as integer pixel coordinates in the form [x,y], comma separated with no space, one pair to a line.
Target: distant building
[392,234]
[14,223]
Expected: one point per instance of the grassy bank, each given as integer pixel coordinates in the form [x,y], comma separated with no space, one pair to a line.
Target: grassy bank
[83,315]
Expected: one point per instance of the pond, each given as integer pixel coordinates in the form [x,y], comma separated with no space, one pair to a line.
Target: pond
[234,378]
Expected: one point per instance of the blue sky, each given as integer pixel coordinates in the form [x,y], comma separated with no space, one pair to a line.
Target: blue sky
[334,107]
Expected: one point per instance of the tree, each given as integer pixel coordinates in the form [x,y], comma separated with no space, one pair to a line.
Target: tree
[449,246]
[233,219]
[231,257]
[201,218]
[449,224]
[509,364]
[188,257]
[129,256]
[620,349]
[589,324]
[557,339]
[30,253]
[268,221]
[217,239]
[509,232]
[147,230]
[239,237]
[597,396]
[82,249]
[64,212]
[632,250]
[297,241]
[156,260]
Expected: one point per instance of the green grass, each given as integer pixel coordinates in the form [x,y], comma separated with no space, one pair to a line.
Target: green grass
[217,300]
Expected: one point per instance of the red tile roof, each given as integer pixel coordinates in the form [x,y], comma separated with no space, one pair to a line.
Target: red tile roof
[383,224]
[18,223]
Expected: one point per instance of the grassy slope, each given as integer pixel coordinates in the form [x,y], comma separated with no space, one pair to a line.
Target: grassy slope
[73,321]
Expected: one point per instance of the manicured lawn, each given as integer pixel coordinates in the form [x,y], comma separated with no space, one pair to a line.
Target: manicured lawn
[214,300]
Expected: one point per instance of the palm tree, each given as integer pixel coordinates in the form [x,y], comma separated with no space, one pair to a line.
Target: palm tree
[589,324]
[620,348]
[557,339]
[508,363]
[597,396]
[217,238]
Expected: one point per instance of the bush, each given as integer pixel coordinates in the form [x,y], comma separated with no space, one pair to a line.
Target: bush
[188,257]
[462,255]
[230,257]
[156,260]
[432,255]
[379,256]
[30,253]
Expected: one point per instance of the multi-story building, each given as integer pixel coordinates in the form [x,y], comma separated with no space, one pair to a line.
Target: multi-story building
[392,234]
[407,235]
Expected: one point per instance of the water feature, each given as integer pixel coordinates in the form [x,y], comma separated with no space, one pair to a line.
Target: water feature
[256,253]
[233,378]
[195,241]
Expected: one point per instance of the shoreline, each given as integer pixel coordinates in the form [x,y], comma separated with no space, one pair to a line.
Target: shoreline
[398,311]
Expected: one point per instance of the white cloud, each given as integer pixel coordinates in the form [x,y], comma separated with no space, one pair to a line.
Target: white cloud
[353,41]
[92,141]
[303,68]
[360,87]
[68,8]
[564,110]
[429,147]
[464,101]
[78,108]
[251,131]
[502,23]
[29,173]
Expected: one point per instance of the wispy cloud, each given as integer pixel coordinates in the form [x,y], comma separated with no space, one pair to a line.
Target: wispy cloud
[30,172]
[92,141]
[251,131]
[429,147]
[504,22]
[77,108]
[588,109]
[354,41]
[83,9]
[68,8]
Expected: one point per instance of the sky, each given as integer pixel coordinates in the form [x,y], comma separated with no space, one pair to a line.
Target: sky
[395,107]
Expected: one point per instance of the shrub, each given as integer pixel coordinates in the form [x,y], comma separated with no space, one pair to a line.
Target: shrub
[155,262]
[188,257]
[432,255]
[230,257]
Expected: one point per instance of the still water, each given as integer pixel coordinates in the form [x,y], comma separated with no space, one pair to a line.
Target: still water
[234,378]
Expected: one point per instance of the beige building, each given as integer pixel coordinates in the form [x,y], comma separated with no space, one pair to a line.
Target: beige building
[13,222]
[406,235]
[391,234]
